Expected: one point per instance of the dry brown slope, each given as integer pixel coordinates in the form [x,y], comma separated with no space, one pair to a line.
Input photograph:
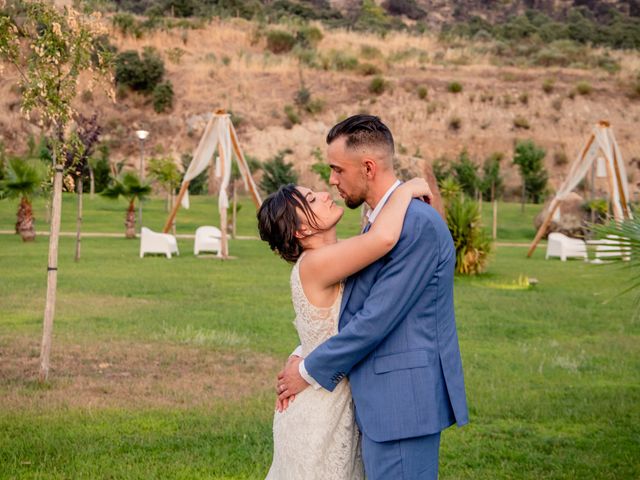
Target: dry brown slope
[222,67]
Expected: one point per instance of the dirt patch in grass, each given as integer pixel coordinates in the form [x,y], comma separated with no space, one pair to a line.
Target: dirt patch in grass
[127,374]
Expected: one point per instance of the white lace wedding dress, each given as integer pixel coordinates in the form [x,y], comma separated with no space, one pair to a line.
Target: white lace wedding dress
[316,438]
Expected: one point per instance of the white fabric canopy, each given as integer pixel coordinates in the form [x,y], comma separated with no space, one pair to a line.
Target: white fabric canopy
[216,135]
[603,149]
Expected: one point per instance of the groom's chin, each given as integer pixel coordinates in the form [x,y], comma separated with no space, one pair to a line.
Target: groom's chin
[353,204]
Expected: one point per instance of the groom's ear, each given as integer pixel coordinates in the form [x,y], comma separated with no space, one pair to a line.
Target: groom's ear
[370,167]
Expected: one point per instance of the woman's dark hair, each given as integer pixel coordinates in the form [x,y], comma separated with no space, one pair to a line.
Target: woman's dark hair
[278,221]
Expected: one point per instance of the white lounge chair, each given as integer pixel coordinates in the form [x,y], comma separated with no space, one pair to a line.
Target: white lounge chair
[208,239]
[559,245]
[153,242]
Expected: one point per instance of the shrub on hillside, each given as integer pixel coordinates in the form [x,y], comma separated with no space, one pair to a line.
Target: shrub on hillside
[163,97]
[368,69]
[422,92]
[455,123]
[279,41]
[408,8]
[454,87]
[584,88]
[547,85]
[309,37]
[521,122]
[340,61]
[139,73]
[378,85]
[370,52]
[292,116]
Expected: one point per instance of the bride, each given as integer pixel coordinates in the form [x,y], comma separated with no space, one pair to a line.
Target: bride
[315,436]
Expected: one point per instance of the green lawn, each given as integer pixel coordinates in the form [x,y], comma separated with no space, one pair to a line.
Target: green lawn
[163,368]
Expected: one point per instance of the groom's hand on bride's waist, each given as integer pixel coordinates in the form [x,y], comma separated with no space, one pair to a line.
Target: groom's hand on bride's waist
[290,382]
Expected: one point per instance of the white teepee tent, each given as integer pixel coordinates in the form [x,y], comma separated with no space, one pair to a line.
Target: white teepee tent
[219,133]
[602,148]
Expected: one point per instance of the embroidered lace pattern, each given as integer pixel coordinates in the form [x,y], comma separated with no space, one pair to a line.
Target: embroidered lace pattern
[316,438]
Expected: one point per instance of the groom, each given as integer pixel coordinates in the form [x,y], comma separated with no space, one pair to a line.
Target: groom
[397,339]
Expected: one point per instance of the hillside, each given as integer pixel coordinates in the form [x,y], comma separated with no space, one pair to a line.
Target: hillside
[226,64]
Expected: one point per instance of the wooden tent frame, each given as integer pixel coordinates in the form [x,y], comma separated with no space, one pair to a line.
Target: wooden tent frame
[242,165]
[614,182]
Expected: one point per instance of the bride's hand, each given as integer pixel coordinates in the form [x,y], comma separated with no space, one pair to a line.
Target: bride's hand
[419,188]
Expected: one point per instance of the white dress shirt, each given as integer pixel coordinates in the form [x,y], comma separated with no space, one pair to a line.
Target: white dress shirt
[371,217]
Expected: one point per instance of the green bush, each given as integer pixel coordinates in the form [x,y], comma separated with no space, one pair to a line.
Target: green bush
[277,172]
[547,85]
[455,123]
[378,85]
[368,69]
[584,88]
[309,37]
[454,87]
[163,97]
[370,52]
[408,8]
[422,92]
[292,116]
[341,61]
[279,41]
[139,73]
[521,122]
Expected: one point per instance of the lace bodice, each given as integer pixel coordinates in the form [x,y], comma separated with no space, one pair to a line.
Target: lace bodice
[316,437]
[314,324]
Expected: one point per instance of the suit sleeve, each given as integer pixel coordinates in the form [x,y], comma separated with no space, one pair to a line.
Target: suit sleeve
[414,259]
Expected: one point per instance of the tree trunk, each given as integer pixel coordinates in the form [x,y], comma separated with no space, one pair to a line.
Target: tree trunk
[24,224]
[79,221]
[130,221]
[92,184]
[52,274]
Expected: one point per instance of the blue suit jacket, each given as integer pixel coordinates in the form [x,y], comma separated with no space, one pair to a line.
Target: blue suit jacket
[397,339]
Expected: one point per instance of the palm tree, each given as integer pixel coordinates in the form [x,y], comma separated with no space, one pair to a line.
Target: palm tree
[472,245]
[129,186]
[627,233]
[23,180]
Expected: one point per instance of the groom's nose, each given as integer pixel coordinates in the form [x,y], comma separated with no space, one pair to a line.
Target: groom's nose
[333,178]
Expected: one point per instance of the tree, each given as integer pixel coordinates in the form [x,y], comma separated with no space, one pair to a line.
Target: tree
[277,172]
[23,180]
[466,173]
[529,159]
[492,184]
[49,49]
[166,172]
[81,147]
[129,186]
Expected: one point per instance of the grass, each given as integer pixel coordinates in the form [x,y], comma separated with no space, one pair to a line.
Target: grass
[552,371]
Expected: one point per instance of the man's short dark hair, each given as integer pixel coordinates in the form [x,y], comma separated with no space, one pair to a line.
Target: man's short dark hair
[362,130]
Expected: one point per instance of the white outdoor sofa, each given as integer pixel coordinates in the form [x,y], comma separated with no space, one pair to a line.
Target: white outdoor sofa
[559,245]
[611,247]
[208,239]
[153,242]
